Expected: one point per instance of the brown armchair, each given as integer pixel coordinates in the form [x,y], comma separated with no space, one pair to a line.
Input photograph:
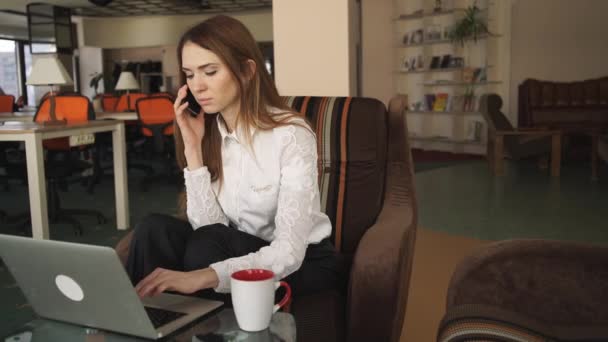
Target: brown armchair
[517,143]
[366,183]
[529,290]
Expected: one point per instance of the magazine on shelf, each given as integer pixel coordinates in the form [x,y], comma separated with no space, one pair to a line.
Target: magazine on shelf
[429,101]
[440,103]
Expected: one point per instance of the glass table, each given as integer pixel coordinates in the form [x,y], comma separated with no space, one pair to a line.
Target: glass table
[218,327]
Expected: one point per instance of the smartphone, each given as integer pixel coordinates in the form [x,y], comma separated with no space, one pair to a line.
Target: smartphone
[193,107]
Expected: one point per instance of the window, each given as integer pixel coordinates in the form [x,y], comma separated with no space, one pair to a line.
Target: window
[9,81]
[27,59]
[50,28]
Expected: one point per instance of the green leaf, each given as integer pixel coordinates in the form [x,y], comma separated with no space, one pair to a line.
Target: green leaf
[471,26]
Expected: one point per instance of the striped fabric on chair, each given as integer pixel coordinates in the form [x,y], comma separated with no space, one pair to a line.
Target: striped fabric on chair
[351,144]
[487,330]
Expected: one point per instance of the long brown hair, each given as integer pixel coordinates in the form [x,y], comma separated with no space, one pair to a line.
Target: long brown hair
[235,46]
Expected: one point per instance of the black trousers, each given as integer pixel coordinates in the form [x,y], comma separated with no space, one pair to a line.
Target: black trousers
[167,242]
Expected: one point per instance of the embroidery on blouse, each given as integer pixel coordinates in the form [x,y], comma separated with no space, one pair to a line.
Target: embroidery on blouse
[297,193]
[202,206]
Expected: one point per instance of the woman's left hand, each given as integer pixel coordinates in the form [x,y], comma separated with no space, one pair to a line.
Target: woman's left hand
[161,280]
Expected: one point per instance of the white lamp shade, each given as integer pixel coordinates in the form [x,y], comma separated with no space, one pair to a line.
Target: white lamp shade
[126,81]
[48,70]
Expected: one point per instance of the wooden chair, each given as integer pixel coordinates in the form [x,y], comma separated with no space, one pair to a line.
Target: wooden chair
[504,140]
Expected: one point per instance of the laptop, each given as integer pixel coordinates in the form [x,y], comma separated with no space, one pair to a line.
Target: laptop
[87,285]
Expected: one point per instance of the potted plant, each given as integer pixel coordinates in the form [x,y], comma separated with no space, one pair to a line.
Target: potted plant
[471,26]
[94,83]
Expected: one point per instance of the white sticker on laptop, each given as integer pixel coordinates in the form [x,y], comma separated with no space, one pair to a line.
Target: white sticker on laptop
[69,287]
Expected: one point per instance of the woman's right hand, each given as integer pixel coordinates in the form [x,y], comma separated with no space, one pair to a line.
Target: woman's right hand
[192,129]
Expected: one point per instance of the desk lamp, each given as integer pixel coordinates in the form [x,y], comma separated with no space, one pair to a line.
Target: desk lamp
[126,81]
[48,70]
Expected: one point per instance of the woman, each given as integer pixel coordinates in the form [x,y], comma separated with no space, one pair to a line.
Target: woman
[252,198]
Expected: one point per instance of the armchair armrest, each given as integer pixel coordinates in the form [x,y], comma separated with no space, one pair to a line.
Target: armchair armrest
[562,286]
[381,269]
[535,128]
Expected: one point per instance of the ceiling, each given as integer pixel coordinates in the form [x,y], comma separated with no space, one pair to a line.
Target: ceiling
[19,5]
[122,8]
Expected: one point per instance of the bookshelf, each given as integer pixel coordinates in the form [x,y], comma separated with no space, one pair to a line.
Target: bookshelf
[429,70]
[430,67]
[422,14]
[441,41]
[459,84]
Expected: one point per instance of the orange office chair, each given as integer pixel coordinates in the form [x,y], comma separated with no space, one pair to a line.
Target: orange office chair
[7,103]
[109,102]
[156,121]
[165,94]
[126,103]
[46,95]
[63,161]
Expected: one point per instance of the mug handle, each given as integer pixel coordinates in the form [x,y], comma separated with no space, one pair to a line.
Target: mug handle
[285,298]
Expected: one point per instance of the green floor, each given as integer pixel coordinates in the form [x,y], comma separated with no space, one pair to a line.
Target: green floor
[461,198]
[465,199]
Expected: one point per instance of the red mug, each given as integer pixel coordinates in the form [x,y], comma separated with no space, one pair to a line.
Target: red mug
[253,292]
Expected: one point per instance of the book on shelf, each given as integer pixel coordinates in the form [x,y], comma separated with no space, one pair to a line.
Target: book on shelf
[449,104]
[471,103]
[445,61]
[440,102]
[429,100]
[456,104]
[435,62]
[474,75]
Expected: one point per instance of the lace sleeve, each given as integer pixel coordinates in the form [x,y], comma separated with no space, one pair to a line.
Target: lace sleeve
[202,207]
[298,193]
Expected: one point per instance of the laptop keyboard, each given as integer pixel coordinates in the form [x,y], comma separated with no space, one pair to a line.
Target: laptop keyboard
[160,317]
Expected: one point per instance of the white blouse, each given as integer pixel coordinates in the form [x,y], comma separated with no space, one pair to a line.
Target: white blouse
[269,190]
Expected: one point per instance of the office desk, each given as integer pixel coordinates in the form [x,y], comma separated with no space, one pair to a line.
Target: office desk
[116,115]
[17,116]
[29,116]
[33,134]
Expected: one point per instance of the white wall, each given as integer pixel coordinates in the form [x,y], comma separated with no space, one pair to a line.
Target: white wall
[354,42]
[149,31]
[378,52]
[91,61]
[557,40]
[311,47]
